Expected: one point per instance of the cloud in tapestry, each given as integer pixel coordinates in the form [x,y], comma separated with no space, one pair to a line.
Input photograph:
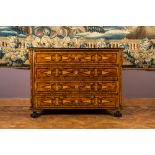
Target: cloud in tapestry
[138,42]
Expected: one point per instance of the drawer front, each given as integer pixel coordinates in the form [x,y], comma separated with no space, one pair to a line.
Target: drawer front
[76,57]
[111,87]
[76,74]
[75,101]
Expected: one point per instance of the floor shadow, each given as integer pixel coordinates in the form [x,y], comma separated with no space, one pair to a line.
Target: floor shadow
[75,112]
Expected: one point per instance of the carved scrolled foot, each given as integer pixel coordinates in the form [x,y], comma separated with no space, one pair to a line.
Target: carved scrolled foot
[34,114]
[118,114]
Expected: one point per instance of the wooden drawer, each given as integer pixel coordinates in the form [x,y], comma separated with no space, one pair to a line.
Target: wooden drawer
[108,87]
[55,101]
[76,58]
[76,74]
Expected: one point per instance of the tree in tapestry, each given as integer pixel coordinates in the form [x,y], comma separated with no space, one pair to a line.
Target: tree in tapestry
[138,42]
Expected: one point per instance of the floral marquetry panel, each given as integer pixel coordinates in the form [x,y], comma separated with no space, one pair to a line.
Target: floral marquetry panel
[111,87]
[69,73]
[104,58]
[75,101]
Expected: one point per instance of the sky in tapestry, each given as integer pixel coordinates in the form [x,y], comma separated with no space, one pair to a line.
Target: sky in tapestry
[107,32]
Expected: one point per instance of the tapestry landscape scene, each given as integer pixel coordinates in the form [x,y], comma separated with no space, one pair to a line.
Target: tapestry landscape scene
[138,42]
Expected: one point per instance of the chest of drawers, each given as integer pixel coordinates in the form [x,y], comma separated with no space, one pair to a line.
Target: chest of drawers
[75,79]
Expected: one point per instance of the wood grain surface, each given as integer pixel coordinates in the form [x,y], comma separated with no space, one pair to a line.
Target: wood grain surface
[75,78]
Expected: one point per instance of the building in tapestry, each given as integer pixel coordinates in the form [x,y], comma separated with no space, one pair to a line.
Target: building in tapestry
[138,42]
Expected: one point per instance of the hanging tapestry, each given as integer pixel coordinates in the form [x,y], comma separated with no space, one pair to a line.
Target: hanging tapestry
[138,42]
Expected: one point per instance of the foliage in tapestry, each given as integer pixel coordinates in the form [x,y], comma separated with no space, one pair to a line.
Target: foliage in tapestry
[138,42]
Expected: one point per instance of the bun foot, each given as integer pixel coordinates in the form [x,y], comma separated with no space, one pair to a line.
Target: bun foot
[118,114]
[34,114]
